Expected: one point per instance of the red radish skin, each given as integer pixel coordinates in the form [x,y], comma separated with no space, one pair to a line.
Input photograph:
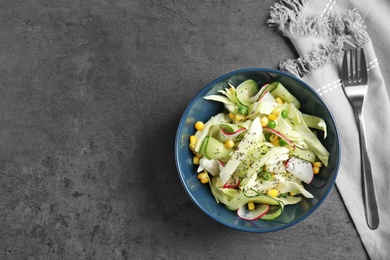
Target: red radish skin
[234,133]
[262,96]
[259,211]
[232,183]
[290,143]
[221,164]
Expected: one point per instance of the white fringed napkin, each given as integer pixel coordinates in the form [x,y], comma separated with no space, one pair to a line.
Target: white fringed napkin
[321,31]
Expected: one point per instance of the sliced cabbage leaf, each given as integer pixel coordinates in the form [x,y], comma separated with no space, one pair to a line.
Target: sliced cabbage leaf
[273,156]
[310,139]
[214,120]
[210,165]
[252,136]
[315,122]
[262,108]
[289,186]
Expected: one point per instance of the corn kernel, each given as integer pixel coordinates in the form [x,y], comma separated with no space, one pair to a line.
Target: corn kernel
[273,192]
[251,205]
[239,117]
[272,117]
[199,155]
[193,139]
[195,160]
[291,194]
[203,175]
[273,137]
[264,121]
[229,144]
[231,116]
[279,100]
[318,164]
[192,147]
[204,181]
[276,110]
[316,169]
[199,125]
[276,142]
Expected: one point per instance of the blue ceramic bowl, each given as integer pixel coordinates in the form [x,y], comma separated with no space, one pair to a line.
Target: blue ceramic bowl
[200,109]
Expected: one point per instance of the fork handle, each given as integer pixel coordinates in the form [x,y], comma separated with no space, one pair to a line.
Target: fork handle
[370,203]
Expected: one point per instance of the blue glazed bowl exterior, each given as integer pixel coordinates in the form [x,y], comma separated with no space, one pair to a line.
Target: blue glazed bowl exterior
[201,110]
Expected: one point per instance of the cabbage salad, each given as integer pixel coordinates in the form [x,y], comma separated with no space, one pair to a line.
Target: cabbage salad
[258,153]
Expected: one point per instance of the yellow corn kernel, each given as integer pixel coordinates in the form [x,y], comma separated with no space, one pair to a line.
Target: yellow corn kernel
[276,110]
[195,160]
[272,117]
[273,192]
[276,142]
[229,144]
[202,175]
[279,100]
[273,137]
[204,181]
[231,116]
[199,125]
[199,155]
[318,164]
[251,205]
[239,117]
[264,121]
[291,193]
[316,169]
[193,139]
[192,147]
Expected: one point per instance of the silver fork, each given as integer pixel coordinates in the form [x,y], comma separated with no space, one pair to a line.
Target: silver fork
[355,79]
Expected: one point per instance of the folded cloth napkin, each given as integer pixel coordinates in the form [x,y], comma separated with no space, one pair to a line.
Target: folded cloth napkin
[321,31]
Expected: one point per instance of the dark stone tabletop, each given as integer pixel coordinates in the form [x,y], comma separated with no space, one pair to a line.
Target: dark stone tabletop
[91,93]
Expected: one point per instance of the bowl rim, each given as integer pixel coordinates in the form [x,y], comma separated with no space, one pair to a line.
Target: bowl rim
[207,88]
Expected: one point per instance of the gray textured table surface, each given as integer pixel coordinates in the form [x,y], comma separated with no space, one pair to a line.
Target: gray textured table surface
[91,95]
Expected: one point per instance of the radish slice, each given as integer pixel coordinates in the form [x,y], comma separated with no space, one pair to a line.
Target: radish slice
[266,96]
[239,131]
[259,94]
[233,182]
[259,211]
[301,169]
[290,143]
[235,136]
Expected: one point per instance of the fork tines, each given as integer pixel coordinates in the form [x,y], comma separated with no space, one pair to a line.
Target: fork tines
[355,64]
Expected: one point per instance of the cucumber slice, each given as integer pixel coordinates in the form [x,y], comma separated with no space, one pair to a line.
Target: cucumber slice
[229,128]
[250,193]
[215,149]
[303,154]
[241,200]
[202,149]
[283,93]
[246,90]
[235,137]
[289,200]
[273,212]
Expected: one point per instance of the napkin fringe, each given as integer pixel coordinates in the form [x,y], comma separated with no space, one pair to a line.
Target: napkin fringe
[316,59]
[356,34]
[288,17]
[343,32]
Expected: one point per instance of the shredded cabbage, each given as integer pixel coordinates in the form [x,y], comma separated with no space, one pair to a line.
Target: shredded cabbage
[258,160]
